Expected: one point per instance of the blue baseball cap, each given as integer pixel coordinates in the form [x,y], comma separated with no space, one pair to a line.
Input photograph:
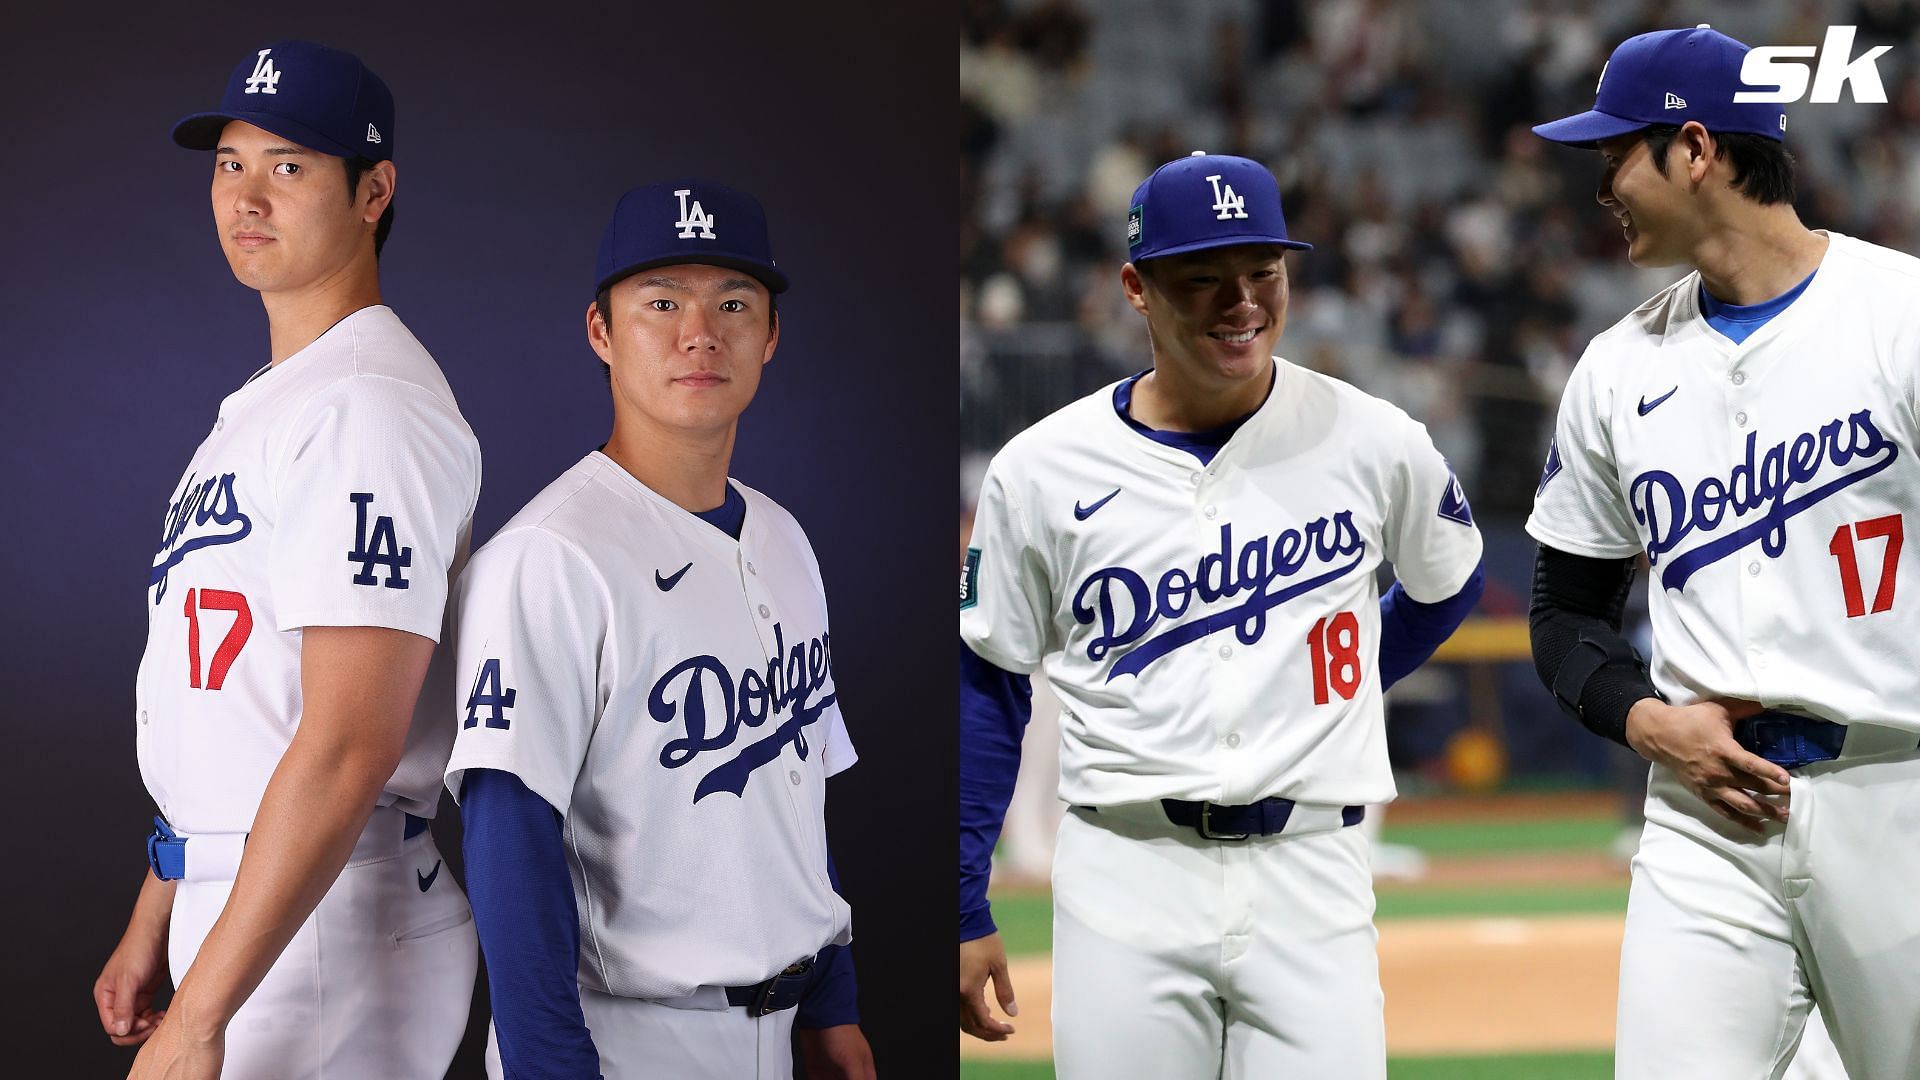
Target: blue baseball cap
[321,98]
[1205,201]
[1670,77]
[687,221]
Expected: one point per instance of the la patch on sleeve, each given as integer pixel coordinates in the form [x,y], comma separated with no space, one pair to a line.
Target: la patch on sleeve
[1553,465]
[970,580]
[1453,501]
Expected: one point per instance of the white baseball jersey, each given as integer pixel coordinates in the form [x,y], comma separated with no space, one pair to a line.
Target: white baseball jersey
[1213,631]
[1767,483]
[670,692]
[336,488]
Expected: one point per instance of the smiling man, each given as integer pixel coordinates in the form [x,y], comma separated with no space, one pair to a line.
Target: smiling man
[1192,552]
[1752,431]
[295,599]
[643,755]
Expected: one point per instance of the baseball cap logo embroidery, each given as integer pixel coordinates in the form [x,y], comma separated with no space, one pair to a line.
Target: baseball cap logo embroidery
[265,79]
[373,134]
[693,219]
[1675,101]
[1226,204]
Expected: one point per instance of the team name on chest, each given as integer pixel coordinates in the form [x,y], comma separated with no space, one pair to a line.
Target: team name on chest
[1126,609]
[1756,499]
[712,706]
[206,513]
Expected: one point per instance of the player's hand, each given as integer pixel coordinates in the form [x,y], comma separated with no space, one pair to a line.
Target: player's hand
[836,1053]
[177,1053]
[980,960]
[124,991]
[1696,743]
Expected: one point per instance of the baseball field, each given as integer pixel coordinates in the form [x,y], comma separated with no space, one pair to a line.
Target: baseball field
[1498,963]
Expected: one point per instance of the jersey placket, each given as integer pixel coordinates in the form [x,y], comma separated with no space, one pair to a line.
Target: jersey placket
[1757,612]
[1229,685]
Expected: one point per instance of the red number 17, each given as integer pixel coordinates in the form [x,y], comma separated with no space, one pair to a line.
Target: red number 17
[1841,547]
[223,657]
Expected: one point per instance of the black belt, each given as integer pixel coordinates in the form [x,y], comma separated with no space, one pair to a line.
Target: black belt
[1264,818]
[780,992]
[1788,740]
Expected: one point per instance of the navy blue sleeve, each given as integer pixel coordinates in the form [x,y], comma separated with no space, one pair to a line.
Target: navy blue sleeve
[995,705]
[523,910]
[832,996]
[1411,630]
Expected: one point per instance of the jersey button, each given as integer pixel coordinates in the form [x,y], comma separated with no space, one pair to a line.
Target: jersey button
[1194,479]
[764,612]
[1226,652]
[219,422]
[794,775]
[1233,740]
[1740,418]
[1739,378]
[751,570]
[143,716]
[1211,511]
[1753,568]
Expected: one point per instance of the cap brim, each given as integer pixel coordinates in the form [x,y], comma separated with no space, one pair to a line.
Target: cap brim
[1588,128]
[774,280]
[201,131]
[1237,240]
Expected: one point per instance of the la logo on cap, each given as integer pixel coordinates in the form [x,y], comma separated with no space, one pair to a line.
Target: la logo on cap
[692,219]
[264,80]
[1226,204]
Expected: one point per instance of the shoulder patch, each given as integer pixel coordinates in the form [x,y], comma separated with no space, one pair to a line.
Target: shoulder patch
[1453,501]
[1553,466]
[970,580]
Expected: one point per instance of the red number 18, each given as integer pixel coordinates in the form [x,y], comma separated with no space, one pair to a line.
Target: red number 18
[1340,637]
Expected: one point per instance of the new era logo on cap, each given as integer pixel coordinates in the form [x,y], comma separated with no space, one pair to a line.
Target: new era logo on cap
[1675,101]
[373,134]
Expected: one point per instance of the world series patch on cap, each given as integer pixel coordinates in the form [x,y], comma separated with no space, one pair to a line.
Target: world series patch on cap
[1205,201]
[1671,77]
[687,221]
[322,98]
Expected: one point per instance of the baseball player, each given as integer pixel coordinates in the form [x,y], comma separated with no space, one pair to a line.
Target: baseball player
[643,753]
[295,599]
[1752,429]
[1192,552]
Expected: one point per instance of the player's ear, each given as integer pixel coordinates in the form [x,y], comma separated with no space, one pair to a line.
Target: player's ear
[376,187]
[597,335]
[1134,285]
[1697,144]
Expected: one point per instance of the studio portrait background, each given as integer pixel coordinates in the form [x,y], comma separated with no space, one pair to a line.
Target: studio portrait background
[516,131]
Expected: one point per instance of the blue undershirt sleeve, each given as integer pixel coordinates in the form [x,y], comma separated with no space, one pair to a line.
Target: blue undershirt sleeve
[529,928]
[995,705]
[1410,631]
[832,997]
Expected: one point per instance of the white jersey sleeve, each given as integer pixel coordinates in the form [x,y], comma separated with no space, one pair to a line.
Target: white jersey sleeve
[531,629]
[1580,507]
[1432,554]
[839,754]
[375,485]
[1006,599]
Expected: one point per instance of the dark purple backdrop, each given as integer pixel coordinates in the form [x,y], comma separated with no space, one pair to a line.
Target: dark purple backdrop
[121,330]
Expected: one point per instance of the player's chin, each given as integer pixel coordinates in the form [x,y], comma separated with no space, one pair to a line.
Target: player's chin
[1239,359]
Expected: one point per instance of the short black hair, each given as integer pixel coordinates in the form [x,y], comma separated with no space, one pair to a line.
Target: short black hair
[356,168]
[603,303]
[1762,168]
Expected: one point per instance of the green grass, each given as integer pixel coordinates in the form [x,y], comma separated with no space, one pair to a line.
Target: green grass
[1508,1067]
[1431,901]
[1442,839]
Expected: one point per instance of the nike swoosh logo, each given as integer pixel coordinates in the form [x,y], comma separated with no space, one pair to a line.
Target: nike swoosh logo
[1085,512]
[426,880]
[667,583]
[1648,406]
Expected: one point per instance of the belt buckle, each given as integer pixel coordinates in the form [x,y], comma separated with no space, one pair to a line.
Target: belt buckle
[763,1001]
[1206,826]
